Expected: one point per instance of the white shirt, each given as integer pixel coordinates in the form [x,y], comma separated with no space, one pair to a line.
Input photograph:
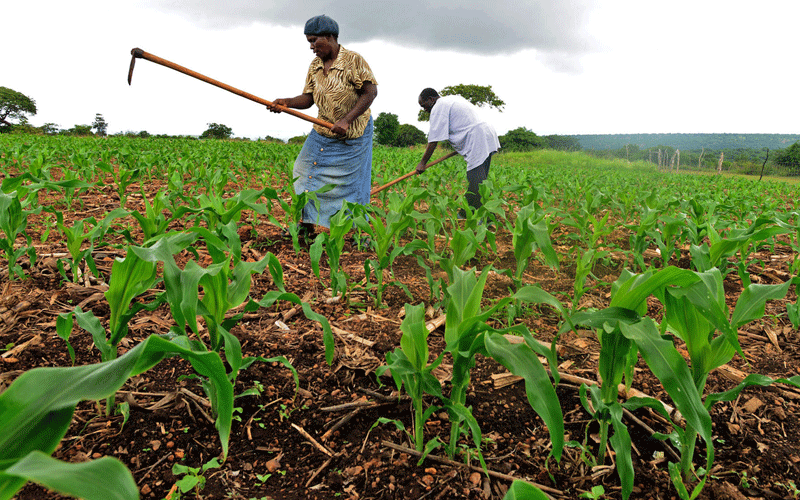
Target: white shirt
[453,118]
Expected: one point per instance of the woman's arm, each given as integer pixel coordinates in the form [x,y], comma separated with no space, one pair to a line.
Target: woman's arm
[303,101]
[366,94]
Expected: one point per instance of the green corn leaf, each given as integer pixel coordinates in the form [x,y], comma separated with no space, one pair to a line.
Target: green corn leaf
[36,410]
[750,380]
[465,301]
[414,340]
[677,481]
[233,350]
[610,316]
[315,252]
[181,288]
[241,280]
[64,324]
[103,479]
[327,334]
[621,442]
[521,360]
[670,368]
[89,322]
[615,361]
[522,490]
[541,235]
[751,303]
[631,291]
[130,277]
[464,414]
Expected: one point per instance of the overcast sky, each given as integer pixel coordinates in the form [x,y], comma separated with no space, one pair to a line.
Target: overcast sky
[561,66]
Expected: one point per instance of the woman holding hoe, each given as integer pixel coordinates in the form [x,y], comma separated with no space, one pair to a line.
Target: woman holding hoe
[341,84]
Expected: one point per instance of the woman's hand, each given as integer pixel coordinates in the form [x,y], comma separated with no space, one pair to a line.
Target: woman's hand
[303,101]
[341,126]
[278,102]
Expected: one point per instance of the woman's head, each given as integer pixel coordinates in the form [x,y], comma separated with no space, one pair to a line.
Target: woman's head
[322,34]
[322,26]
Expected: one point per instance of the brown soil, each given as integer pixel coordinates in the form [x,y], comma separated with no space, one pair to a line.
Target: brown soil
[271,455]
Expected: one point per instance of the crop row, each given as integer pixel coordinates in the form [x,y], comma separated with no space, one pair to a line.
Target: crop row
[564,210]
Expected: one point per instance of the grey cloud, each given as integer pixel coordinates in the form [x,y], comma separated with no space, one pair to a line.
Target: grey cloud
[552,27]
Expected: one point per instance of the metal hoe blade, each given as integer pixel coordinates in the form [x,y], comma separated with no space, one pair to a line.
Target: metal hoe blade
[134,54]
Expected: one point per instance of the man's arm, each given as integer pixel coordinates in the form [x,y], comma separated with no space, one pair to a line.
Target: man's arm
[423,163]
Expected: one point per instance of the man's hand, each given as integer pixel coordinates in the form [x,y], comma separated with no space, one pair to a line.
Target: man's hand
[423,162]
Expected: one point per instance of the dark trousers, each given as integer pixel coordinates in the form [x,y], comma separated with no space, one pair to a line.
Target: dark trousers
[475,177]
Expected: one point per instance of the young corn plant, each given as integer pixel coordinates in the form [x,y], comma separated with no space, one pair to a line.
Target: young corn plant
[695,310]
[531,233]
[28,187]
[333,244]
[13,221]
[77,234]
[294,211]
[154,221]
[129,170]
[698,314]
[217,210]
[130,277]
[411,368]
[467,335]
[384,230]
[666,236]
[640,237]
[225,287]
[618,355]
[37,409]
[720,248]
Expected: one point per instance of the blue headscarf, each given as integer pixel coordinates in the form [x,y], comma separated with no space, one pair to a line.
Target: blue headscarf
[321,25]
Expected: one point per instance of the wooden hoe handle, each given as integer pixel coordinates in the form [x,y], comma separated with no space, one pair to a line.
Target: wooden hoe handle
[406,176]
[139,53]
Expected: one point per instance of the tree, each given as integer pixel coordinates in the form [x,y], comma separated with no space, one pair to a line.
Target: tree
[521,139]
[217,131]
[269,138]
[79,130]
[479,95]
[409,135]
[49,128]
[100,125]
[563,142]
[386,128]
[15,106]
[789,157]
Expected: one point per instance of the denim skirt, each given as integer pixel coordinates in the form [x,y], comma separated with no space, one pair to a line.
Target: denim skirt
[347,164]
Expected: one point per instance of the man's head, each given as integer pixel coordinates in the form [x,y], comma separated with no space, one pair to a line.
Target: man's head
[427,98]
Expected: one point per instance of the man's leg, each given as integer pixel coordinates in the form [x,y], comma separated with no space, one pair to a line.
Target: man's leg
[474,178]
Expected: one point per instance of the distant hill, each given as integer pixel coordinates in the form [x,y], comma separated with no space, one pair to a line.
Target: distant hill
[688,142]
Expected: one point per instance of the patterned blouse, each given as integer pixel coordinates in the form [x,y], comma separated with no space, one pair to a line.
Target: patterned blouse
[335,93]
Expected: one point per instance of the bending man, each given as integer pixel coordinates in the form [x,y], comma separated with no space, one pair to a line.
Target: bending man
[455,119]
